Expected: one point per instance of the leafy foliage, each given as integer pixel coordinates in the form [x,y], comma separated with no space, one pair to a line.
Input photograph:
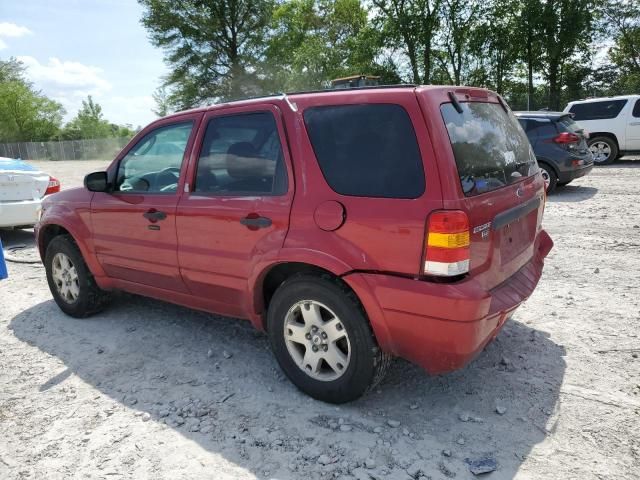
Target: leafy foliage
[537,53]
[88,123]
[213,46]
[25,114]
[312,42]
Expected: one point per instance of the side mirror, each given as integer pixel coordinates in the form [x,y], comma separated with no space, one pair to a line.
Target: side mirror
[96,182]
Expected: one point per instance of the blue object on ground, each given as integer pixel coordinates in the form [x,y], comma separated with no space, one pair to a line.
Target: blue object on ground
[3,265]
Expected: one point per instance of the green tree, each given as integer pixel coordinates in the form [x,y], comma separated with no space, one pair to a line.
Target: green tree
[460,23]
[25,113]
[119,131]
[160,96]
[410,26]
[528,37]
[494,41]
[314,41]
[88,123]
[12,70]
[567,28]
[212,47]
[621,22]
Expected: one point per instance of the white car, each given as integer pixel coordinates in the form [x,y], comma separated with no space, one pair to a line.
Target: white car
[22,187]
[613,124]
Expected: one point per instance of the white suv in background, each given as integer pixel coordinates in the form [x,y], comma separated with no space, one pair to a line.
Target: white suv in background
[613,124]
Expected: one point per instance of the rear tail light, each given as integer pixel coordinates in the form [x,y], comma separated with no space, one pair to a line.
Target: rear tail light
[447,244]
[53,187]
[567,137]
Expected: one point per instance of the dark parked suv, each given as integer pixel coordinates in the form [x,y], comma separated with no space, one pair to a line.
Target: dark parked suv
[350,225]
[560,145]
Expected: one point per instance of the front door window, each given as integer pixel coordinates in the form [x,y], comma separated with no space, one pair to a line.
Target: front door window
[153,165]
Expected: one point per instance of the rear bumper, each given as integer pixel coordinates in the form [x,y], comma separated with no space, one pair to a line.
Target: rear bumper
[568,175]
[13,214]
[442,327]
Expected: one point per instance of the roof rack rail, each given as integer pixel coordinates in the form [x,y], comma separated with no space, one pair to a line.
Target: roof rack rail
[300,92]
[372,87]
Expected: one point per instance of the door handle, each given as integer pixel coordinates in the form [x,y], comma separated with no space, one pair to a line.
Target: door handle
[154,215]
[253,221]
[634,123]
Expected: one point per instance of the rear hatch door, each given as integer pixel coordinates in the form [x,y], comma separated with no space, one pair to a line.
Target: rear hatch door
[567,124]
[489,171]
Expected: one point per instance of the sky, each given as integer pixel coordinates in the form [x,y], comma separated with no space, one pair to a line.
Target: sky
[75,48]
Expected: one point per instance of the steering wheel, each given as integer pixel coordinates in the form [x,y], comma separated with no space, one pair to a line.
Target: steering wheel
[171,187]
[174,170]
[139,184]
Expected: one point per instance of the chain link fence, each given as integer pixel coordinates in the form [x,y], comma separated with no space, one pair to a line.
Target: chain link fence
[97,149]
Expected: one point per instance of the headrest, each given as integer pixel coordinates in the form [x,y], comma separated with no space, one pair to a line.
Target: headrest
[242,149]
[243,161]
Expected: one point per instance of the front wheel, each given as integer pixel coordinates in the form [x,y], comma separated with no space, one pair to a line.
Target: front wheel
[70,281]
[604,150]
[322,340]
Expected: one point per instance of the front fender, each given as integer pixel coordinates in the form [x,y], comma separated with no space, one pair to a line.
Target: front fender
[71,211]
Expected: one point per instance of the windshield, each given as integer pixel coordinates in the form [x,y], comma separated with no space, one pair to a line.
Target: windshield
[489,145]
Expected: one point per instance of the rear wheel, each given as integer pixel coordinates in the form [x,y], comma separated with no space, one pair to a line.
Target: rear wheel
[604,150]
[549,176]
[322,339]
[70,281]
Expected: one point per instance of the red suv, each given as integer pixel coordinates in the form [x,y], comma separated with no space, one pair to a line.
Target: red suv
[352,226]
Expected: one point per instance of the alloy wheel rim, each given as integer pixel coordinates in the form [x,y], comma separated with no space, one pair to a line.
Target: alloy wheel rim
[317,340]
[600,151]
[65,277]
[546,177]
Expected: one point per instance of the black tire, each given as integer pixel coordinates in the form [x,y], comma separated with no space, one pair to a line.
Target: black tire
[91,298]
[563,184]
[367,364]
[613,149]
[546,170]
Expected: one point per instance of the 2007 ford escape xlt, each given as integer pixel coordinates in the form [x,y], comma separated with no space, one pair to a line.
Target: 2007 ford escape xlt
[352,226]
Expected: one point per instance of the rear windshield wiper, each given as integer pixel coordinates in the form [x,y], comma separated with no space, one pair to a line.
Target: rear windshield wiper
[455,102]
[502,104]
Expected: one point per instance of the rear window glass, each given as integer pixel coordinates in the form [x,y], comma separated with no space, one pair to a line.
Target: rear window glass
[490,147]
[367,150]
[538,127]
[597,110]
[568,125]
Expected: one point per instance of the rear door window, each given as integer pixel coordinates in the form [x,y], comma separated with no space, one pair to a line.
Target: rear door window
[597,110]
[241,155]
[490,147]
[367,150]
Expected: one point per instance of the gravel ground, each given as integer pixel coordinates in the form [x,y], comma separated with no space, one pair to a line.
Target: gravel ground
[152,390]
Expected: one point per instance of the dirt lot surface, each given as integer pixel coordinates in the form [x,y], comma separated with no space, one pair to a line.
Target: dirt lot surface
[149,390]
